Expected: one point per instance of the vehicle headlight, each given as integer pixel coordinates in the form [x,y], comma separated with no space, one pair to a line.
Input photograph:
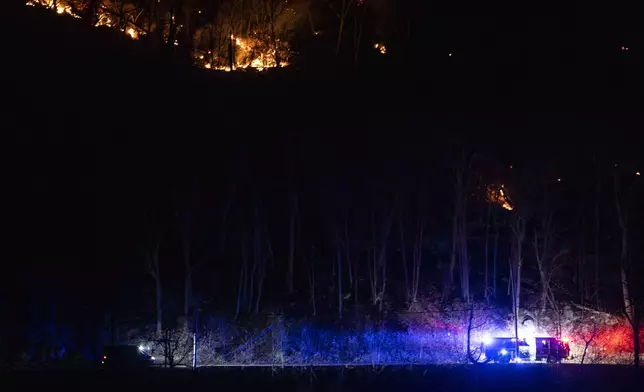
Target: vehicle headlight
[504,351]
[152,358]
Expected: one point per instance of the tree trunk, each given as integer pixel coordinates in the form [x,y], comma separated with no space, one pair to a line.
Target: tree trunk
[151,12]
[459,232]
[418,258]
[382,256]
[597,297]
[187,294]
[373,276]
[464,265]
[338,256]
[636,339]
[159,292]
[91,12]
[347,253]
[258,260]
[517,261]
[582,259]
[312,283]
[241,284]
[273,34]
[487,236]
[291,243]
[340,31]
[122,19]
[629,305]
[496,249]
[403,256]
[358,28]
[172,32]
[447,289]
[542,244]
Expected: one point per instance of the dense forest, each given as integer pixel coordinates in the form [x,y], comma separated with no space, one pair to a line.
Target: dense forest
[308,223]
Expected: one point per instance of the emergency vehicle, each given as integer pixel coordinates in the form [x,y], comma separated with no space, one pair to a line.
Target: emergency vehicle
[552,349]
[504,350]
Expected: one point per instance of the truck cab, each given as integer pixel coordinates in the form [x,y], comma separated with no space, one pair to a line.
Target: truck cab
[552,349]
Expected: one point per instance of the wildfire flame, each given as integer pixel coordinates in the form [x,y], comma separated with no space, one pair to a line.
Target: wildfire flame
[250,52]
[132,33]
[61,7]
[498,197]
[380,47]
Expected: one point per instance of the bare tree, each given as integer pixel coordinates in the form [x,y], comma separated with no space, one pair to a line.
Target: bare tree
[377,265]
[359,18]
[291,241]
[175,346]
[545,254]
[154,269]
[311,279]
[91,12]
[459,228]
[242,284]
[494,254]
[338,259]
[516,263]
[486,279]
[625,266]
[597,231]
[274,9]
[341,9]
[412,282]
[352,265]
[587,329]
[186,247]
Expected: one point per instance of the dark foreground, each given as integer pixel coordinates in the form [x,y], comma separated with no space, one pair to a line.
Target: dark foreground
[401,379]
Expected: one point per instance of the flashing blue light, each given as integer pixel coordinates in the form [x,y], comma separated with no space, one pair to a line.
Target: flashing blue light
[504,352]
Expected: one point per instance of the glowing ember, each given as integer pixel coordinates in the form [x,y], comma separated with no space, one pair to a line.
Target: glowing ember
[208,66]
[132,33]
[498,196]
[381,48]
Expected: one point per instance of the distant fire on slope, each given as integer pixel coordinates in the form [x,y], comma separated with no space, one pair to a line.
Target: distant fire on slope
[497,195]
[248,52]
[253,52]
[380,47]
[61,7]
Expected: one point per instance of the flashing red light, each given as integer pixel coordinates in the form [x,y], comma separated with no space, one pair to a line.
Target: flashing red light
[565,340]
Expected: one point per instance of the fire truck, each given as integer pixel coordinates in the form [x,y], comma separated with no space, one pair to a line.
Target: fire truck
[504,350]
[552,349]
